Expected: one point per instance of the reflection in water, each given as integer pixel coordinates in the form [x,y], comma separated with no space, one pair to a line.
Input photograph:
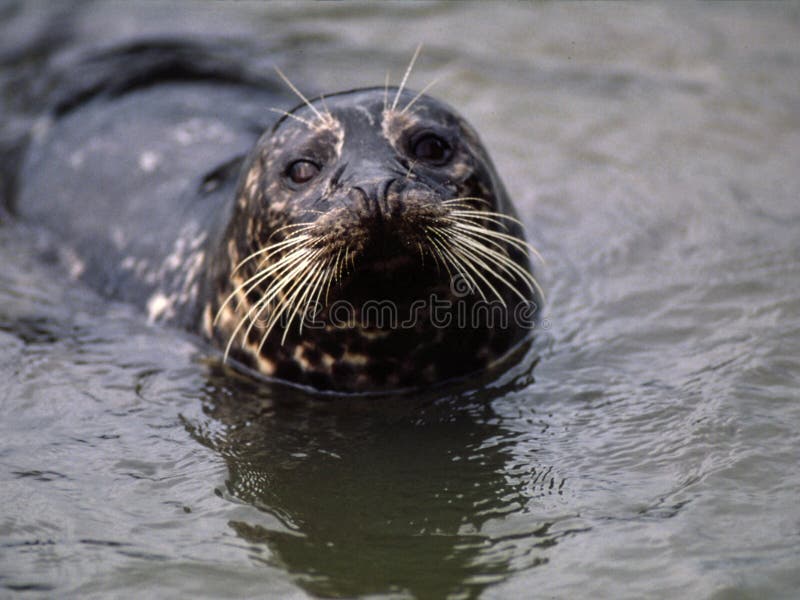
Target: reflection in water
[377,498]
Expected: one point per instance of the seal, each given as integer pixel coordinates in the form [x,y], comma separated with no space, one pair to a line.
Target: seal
[365,210]
[367,243]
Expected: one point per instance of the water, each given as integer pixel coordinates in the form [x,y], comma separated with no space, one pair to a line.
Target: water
[652,452]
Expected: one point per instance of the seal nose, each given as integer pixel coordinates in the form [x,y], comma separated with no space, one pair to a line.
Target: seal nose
[372,194]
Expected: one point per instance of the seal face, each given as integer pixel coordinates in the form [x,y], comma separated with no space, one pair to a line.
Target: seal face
[371,246]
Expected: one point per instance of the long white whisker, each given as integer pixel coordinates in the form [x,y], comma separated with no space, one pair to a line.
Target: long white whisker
[500,245]
[288,280]
[325,107]
[466,217]
[282,245]
[477,258]
[487,213]
[524,275]
[326,277]
[451,234]
[260,276]
[300,95]
[457,263]
[405,76]
[470,211]
[511,239]
[270,293]
[469,257]
[420,94]
[296,301]
[288,301]
[475,239]
[286,113]
[465,200]
[386,93]
[335,274]
[437,255]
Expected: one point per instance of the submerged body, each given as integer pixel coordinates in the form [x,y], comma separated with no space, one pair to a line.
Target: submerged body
[360,242]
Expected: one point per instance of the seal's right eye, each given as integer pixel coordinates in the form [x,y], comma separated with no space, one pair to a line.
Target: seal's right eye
[431,148]
[302,171]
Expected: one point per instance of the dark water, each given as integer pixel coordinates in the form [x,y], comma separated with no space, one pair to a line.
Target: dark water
[653,450]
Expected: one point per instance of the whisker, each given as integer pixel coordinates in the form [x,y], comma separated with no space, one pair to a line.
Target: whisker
[405,76]
[511,239]
[420,94]
[411,165]
[289,302]
[470,256]
[470,260]
[301,232]
[294,226]
[437,255]
[386,93]
[488,213]
[254,313]
[300,95]
[295,302]
[325,107]
[336,266]
[530,281]
[348,256]
[498,261]
[457,235]
[270,251]
[282,245]
[464,201]
[461,215]
[260,276]
[334,276]
[288,280]
[475,255]
[477,239]
[458,264]
[501,246]
[326,276]
[286,113]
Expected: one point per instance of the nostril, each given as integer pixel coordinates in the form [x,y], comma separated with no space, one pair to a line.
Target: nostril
[384,192]
[372,196]
[337,176]
[359,197]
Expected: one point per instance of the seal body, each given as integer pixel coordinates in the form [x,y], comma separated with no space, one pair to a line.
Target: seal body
[360,242]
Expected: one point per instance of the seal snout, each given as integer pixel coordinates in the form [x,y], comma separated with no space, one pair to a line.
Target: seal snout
[383,218]
[371,196]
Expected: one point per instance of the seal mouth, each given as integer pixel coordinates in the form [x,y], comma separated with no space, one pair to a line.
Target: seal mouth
[387,269]
[384,252]
[385,266]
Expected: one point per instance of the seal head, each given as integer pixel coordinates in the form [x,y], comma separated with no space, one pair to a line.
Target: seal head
[371,247]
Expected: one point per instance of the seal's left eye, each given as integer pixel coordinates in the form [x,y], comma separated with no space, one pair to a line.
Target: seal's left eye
[431,148]
[302,171]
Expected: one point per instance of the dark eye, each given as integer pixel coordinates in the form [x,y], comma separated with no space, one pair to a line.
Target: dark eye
[431,148]
[302,171]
